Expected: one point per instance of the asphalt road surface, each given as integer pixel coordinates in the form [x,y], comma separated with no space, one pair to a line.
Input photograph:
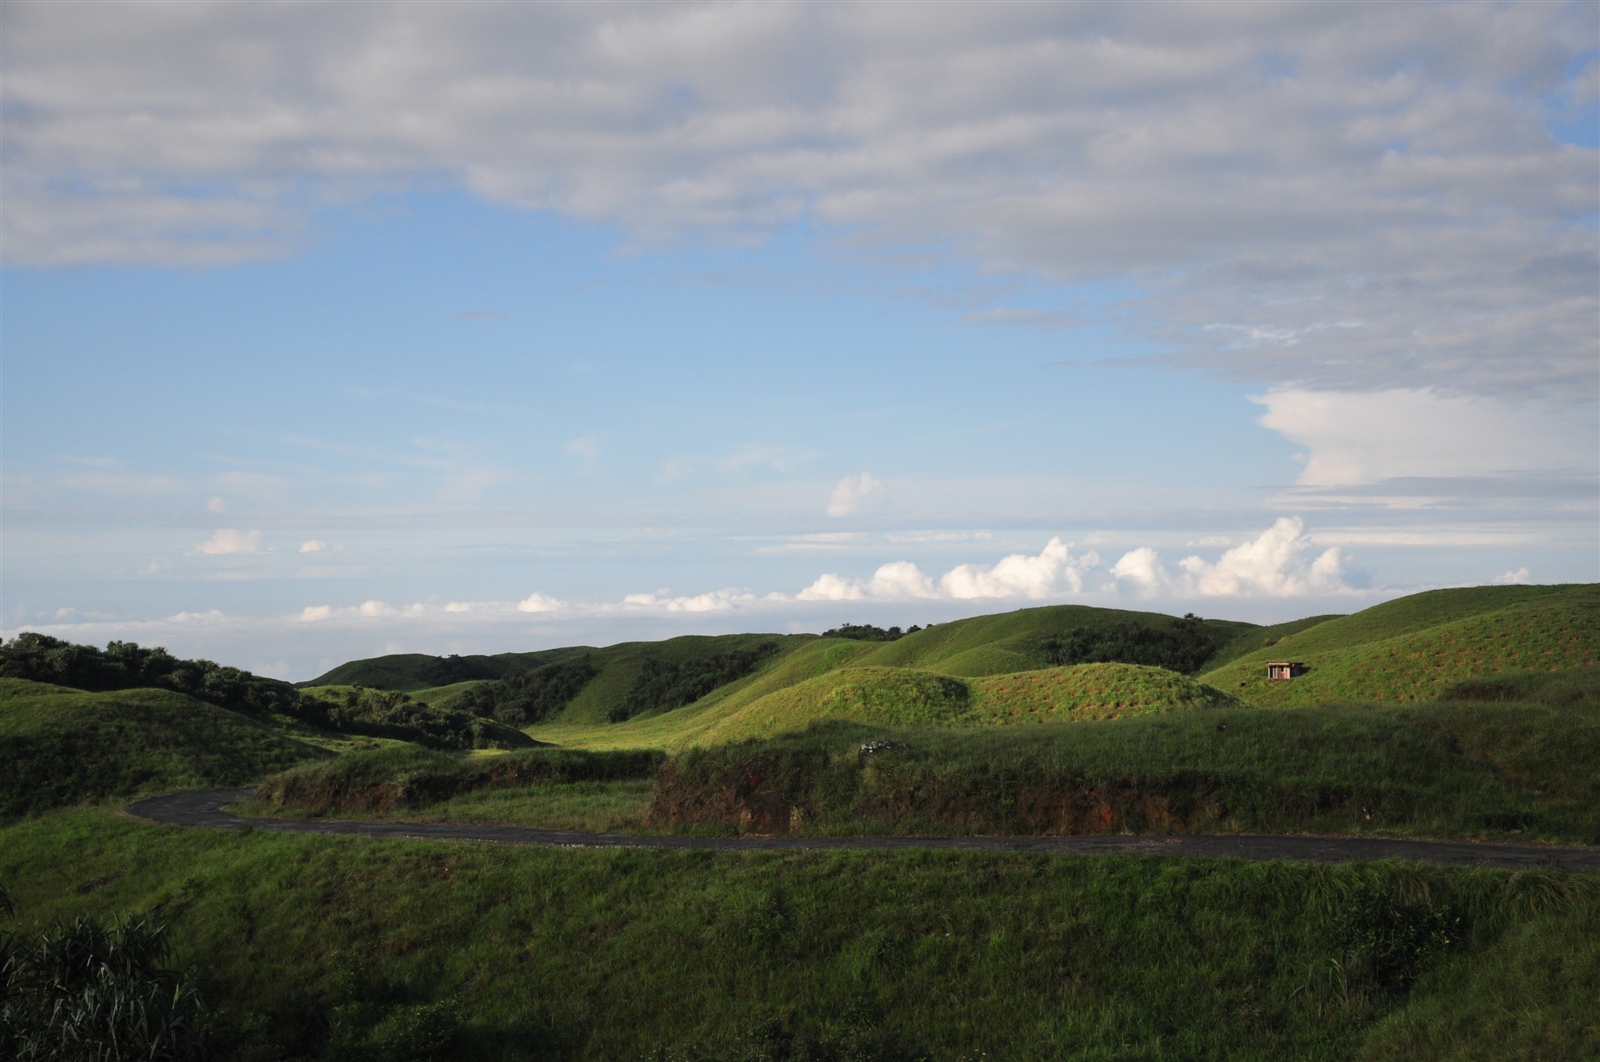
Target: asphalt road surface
[205,809]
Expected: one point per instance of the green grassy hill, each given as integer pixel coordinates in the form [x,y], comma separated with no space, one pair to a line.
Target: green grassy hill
[901,681]
[62,746]
[969,648]
[1413,648]
[1011,641]
[410,672]
[910,697]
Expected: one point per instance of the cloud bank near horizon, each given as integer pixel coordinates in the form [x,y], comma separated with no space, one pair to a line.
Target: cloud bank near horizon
[1281,562]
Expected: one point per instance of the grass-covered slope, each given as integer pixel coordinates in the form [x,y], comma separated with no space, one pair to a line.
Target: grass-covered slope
[1012,641]
[61,746]
[1413,648]
[897,696]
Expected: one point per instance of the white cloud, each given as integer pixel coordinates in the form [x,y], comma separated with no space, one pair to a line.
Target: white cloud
[895,581]
[1143,569]
[1276,563]
[313,545]
[217,505]
[228,541]
[364,613]
[715,601]
[1362,438]
[1053,571]
[1345,195]
[854,493]
[586,448]
[1516,578]
[537,602]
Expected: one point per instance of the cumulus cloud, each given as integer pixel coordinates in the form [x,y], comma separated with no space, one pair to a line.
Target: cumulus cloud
[854,493]
[217,505]
[714,601]
[230,540]
[1142,569]
[1054,571]
[313,545]
[365,612]
[897,580]
[537,602]
[1277,563]
[1351,196]
[1517,578]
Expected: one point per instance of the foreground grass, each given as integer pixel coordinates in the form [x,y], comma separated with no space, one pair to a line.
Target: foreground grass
[526,953]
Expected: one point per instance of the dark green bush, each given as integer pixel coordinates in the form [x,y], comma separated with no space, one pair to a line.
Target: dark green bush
[866,632]
[1384,941]
[1184,647]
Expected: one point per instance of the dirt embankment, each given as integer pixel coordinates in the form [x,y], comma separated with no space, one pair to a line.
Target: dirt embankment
[757,796]
[332,795]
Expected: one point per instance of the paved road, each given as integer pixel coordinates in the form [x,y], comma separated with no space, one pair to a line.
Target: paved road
[205,809]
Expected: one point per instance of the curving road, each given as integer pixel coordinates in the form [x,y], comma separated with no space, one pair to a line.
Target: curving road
[205,809]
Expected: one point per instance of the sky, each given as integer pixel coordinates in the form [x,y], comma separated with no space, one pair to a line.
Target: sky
[333,330]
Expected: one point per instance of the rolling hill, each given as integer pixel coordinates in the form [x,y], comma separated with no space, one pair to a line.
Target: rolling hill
[1413,648]
[63,746]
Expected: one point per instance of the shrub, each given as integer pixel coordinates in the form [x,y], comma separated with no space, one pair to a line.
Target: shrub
[87,990]
[1184,647]
[866,632]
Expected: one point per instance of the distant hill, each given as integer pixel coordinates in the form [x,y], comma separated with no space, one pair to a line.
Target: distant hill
[906,677]
[63,746]
[410,672]
[1413,648]
[915,698]
[1022,640]
[982,645]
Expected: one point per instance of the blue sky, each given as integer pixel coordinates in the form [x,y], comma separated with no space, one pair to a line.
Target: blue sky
[334,331]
